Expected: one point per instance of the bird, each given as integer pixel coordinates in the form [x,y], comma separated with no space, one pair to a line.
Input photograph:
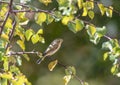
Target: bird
[51,49]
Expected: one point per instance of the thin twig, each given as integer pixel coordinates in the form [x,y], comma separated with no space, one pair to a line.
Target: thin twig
[11,34]
[81,81]
[21,53]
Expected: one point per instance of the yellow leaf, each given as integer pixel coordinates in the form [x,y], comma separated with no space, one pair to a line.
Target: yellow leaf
[52,65]
[79,25]
[5,37]
[46,2]
[40,31]
[105,56]
[7,75]
[85,11]
[21,44]
[66,79]
[113,69]
[66,19]
[8,23]
[91,29]
[102,8]
[41,18]
[80,5]
[109,11]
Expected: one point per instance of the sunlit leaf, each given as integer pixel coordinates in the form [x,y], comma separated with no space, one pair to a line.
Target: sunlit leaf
[5,37]
[91,14]
[66,79]
[109,11]
[41,39]
[41,17]
[46,2]
[76,26]
[95,38]
[80,3]
[14,69]
[66,19]
[52,65]
[21,17]
[8,23]
[7,75]
[28,34]
[118,74]
[91,29]
[114,69]
[35,38]
[105,56]
[21,44]
[102,8]
[79,25]
[6,63]
[85,11]
[90,4]
[40,31]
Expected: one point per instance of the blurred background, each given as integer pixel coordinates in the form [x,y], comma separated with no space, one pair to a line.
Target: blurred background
[76,50]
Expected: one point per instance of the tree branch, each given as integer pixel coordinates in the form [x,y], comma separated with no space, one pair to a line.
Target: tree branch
[21,53]
[6,16]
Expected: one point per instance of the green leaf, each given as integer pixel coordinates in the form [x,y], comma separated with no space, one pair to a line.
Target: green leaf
[109,11]
[6,63]
[28,34]
[49,19]
[91,14]
[101,31]
[102,8]
[35,38]
[41,17]
[26,57]
[63,3]
[70,70]
[21,44]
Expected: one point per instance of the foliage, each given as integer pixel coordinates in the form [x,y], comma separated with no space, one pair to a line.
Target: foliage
[16,17]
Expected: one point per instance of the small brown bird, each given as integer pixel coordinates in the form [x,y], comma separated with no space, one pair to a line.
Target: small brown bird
[52,49]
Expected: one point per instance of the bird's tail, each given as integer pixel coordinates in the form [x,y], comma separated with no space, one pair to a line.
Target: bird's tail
[40,60]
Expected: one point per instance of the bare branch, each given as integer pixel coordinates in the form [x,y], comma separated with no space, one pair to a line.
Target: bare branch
[21,53]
